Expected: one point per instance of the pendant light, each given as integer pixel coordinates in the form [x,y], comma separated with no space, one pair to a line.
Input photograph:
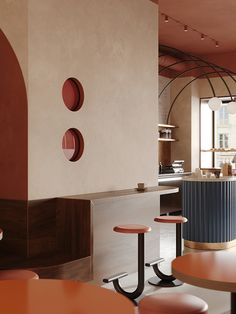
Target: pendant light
[215,103]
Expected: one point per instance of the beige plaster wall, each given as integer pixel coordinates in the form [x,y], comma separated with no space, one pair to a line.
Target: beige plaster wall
[181,117]
[185,115]
[111,47]
[164,100]
[14,24]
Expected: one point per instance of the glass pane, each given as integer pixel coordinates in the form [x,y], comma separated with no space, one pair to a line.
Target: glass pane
[206,129]
[225,135]
[206,126]
[206,160]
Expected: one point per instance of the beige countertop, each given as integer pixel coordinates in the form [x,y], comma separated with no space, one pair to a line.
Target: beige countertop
[161,190]
[204,179]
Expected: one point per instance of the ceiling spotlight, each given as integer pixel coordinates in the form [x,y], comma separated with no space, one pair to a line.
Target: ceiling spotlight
[217,44]
[166,19]
[215,103]
[202,36]
[231,107]
[185,28]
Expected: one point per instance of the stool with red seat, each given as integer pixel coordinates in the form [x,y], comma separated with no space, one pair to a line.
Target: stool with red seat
[132,229]
[172,303]
[15,274]
[162,279]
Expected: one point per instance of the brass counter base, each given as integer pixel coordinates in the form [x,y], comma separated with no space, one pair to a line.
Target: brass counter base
[209,246]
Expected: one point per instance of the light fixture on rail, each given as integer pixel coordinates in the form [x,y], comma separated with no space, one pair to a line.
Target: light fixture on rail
[187,27]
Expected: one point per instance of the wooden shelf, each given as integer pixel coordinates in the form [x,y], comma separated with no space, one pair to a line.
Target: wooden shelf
[162,139]
[215,150]
[168,126]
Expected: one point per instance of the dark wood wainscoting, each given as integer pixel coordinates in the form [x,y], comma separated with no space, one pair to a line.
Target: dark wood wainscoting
[46,236]
[72,237]
[13,220]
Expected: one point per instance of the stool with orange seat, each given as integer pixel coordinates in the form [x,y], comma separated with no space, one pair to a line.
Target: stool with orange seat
[17,274]
[172,303]
[132,229]
[162,279]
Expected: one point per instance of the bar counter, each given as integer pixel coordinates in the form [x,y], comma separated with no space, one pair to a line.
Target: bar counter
[210,206]
[110,250]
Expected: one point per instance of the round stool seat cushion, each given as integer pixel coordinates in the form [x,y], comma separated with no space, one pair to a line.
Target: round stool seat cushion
[172,303]
[15,274]
[132,228]
[171,219]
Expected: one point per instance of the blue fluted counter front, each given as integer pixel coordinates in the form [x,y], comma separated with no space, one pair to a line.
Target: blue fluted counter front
[210,206]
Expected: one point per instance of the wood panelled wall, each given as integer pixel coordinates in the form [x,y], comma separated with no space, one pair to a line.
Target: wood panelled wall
[44,236]
[73,237]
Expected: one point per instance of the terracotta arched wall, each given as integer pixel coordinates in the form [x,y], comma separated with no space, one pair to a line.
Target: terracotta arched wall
[13,126]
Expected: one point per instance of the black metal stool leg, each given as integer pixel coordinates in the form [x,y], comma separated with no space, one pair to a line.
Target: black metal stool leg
[140,287]
[233,303]
[161,279]
[178,240]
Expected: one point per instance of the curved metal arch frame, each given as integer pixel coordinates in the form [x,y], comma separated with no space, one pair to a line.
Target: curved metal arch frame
[190,69]
[197,58]
[217,70]
[176,97]
[211,65]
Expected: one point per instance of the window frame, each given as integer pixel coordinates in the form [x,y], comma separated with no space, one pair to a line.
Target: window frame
[225,100]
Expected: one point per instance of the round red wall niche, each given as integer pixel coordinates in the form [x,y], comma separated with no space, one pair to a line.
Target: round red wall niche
[73,94]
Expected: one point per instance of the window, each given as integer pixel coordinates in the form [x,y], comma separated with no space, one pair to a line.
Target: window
[218,135]
[223,115]
[223,140]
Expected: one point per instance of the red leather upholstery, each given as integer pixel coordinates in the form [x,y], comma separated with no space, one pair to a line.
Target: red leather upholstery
[132,228]
[15,274]
[171,219]
[172,303]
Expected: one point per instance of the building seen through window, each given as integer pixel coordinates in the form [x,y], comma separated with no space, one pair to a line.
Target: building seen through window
[217,135]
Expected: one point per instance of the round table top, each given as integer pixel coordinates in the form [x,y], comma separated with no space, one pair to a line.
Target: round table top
[61,297]
[212,270]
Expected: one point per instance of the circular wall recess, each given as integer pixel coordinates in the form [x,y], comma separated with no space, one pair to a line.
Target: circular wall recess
[73,94]
[73,144]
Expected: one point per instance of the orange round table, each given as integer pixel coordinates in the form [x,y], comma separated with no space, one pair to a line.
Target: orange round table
[61,297]
[211,270]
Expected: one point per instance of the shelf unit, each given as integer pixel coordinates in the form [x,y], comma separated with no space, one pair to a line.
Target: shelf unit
[165,143]
[166,126]
[162,139]
[215,150]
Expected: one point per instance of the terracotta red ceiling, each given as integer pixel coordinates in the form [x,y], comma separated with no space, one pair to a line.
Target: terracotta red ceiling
[215,18]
